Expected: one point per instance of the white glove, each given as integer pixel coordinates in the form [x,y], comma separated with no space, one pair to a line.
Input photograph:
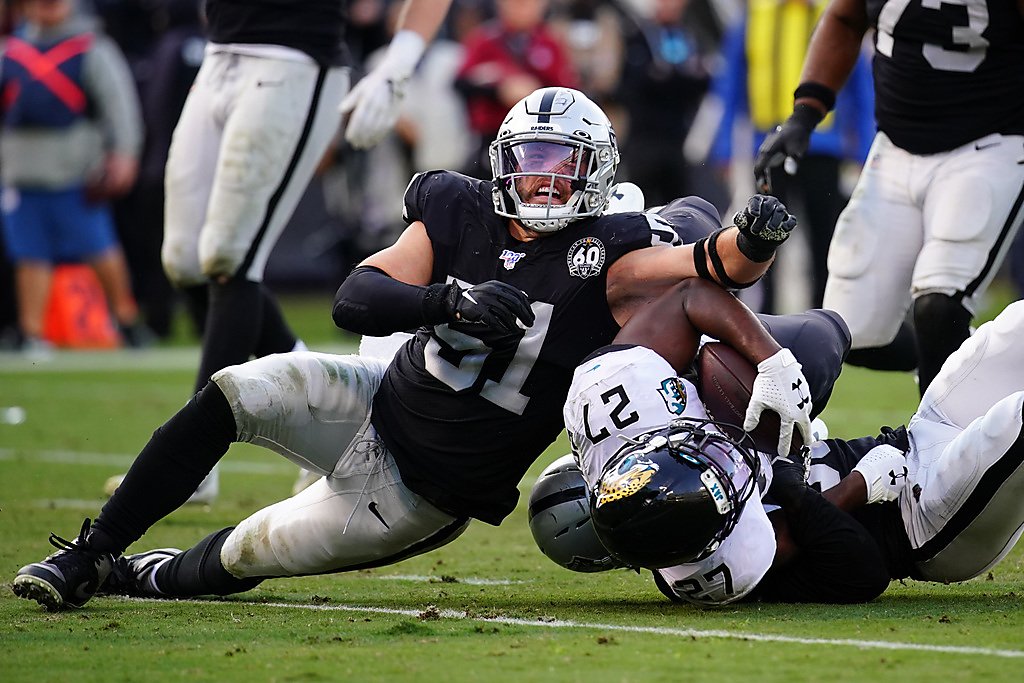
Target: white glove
[375,100]
[781,387]
[884,469]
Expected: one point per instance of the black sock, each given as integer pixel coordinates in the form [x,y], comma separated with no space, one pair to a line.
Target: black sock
[898,355]
[168,470]
[942,325]
[232,326]
[198,571]
[197,303]
[275,335]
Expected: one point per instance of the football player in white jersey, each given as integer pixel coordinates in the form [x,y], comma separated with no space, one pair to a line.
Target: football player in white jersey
[948,510]
[671,492]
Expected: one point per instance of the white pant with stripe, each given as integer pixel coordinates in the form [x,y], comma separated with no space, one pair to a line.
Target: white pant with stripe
[254,127]
[963,506]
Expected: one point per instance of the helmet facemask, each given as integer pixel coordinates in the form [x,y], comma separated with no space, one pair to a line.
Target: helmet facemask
[729,466]
[674,495]
[553,167]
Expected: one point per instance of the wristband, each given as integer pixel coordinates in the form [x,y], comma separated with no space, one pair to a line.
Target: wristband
[718,265]
[816,91]
[755,248]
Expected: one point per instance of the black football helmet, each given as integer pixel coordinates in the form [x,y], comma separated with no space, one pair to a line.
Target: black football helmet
[674,495]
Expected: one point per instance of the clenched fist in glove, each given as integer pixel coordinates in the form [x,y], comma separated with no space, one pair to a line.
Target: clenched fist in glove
[764,225]
[494,312]
[780,386]
[884,469]
[375,101]
[786,145]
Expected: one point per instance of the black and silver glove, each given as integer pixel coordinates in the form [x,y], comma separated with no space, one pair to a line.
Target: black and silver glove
[785,145]
[495,312]
[764,225]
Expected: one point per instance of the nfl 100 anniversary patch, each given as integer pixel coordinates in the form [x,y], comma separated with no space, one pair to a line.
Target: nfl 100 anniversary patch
[586,257]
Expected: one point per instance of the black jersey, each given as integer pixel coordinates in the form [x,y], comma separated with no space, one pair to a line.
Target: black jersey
[315,27]
[947,73]
[463,421]
[833,459]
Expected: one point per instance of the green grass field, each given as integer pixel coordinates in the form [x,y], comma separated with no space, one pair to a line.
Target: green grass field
[487,607]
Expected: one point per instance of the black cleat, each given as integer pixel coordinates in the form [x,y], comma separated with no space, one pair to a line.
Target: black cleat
[68,578]
[132,575]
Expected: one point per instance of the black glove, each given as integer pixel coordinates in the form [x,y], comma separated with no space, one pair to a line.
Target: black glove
[764,225]
[490,312]
[789,140]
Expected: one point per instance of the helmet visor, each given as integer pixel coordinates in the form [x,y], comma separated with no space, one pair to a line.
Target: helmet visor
[546,158]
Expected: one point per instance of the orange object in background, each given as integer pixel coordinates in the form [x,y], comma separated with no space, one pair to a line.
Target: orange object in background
[77,315]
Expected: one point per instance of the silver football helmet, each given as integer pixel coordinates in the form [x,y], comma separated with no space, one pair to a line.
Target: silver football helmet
[560,519]
[553,160]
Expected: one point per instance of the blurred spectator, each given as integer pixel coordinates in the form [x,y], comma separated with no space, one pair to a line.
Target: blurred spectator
[763,56]
[71,138]
[592,31]
[507,59]
[164,75]
[664,78]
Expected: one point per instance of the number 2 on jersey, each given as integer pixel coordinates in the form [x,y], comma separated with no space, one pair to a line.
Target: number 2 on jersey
[621,400]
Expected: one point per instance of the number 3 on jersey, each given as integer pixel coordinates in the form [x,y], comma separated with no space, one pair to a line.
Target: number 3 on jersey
[968,37]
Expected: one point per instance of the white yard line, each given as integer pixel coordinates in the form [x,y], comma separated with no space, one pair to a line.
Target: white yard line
[471,581]
[653,630]
[124,461]
[174,358]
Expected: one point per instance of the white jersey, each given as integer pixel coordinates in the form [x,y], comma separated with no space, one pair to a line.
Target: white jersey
[628,391]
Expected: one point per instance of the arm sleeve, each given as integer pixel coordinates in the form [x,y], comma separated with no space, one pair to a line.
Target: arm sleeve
[372,302]
[111,87]
[837,562]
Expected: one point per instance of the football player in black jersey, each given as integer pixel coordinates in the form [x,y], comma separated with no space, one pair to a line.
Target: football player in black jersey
[508,283]
[942,191]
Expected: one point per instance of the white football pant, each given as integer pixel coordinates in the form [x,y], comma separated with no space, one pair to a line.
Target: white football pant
[254,127]
[922,224]
[314,409]
[963,505]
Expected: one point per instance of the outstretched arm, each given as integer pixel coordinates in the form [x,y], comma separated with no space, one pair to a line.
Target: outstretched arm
[390,291]
[734,257]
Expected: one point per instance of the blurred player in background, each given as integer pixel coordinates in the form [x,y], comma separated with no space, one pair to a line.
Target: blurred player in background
[258,120]
[940,197]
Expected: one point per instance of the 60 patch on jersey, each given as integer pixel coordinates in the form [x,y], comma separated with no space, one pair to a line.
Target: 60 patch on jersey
[586,257]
